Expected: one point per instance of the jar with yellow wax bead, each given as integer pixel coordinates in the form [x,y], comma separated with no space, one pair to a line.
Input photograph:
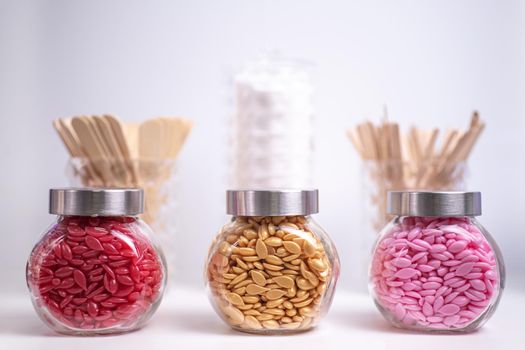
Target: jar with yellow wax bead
[272,269]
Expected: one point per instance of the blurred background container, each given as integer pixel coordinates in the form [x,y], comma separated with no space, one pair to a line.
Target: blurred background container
[434,59]
[272,127]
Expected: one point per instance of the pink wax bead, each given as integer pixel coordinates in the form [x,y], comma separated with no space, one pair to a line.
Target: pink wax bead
[443,286]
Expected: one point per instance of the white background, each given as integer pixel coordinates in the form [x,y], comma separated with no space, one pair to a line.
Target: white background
[432,62]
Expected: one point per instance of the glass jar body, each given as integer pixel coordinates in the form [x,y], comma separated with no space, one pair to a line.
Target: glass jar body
[272,274]
[96,275]
[436,274]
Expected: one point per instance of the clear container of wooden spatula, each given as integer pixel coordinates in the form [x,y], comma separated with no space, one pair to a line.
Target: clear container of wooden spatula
[156,177]
[108,153]
[379,177]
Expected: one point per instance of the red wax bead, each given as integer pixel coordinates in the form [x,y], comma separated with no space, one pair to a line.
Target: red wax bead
[96,275]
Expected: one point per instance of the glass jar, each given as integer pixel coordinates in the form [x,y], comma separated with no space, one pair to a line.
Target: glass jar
[272,269]
[434,267]
[96,270]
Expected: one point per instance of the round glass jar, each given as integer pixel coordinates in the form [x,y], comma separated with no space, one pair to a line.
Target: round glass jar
[272,269]
[96,270]
[434,267]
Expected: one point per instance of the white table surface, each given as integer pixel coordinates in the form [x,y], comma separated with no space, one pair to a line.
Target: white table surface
[185,320]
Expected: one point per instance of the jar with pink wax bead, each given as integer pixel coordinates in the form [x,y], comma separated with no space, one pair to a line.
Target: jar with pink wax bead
[434,267]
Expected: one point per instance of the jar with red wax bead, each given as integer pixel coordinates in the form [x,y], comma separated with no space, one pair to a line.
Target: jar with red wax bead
[96,270]
[434,267]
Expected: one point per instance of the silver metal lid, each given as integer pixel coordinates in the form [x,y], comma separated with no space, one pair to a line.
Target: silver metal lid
[434,203]
[274,202]
[96,201]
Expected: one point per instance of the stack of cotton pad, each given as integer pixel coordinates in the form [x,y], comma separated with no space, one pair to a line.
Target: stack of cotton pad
[272,135]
